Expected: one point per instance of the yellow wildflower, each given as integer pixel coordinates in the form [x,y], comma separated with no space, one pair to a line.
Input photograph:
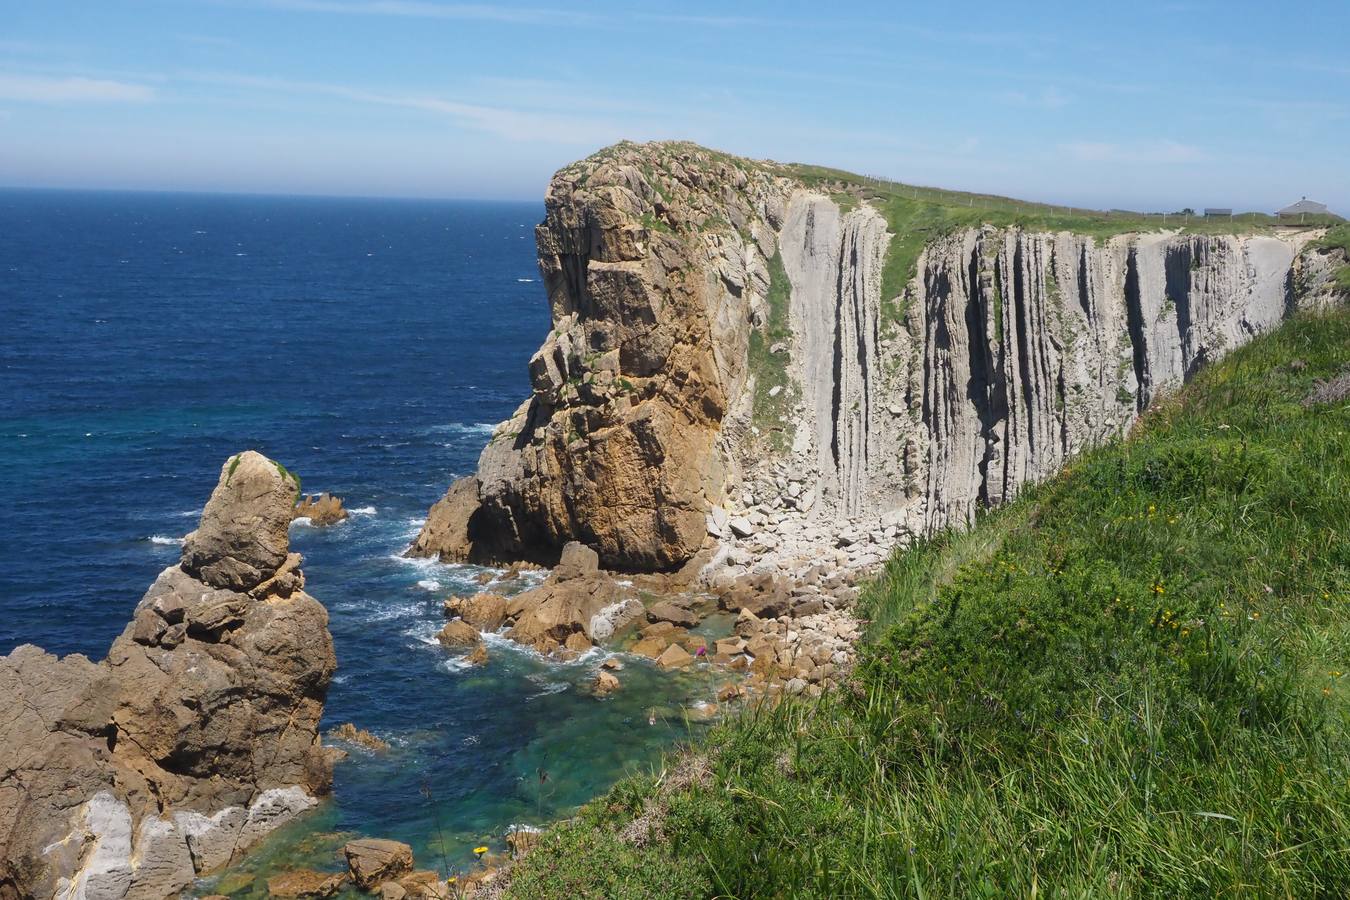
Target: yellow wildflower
[480,850]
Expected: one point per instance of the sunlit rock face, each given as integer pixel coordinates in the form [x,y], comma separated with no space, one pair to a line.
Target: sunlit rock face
[194,738]
[722,353]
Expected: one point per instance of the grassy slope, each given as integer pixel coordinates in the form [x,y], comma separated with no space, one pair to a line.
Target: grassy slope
[1129,683]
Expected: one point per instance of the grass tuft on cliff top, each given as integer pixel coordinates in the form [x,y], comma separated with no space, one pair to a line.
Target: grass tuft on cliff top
[1132,682]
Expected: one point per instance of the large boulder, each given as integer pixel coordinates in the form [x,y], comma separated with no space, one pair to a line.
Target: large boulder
[244,532]
[486,612]
[566,603]
[194,738]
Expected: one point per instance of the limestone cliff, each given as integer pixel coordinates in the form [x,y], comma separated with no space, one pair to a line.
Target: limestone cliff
[194,738]
[725,372]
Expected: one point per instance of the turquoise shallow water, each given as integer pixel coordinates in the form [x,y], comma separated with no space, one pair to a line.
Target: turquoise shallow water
[369,345]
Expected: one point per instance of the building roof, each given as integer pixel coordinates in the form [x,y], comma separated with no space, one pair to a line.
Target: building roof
[1304,206]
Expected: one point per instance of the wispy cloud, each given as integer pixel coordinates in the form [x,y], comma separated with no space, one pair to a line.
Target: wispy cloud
[1046,98]
[513,123]
[482,12]
[208,40]
[1160,152]
[422,9]
[46,89]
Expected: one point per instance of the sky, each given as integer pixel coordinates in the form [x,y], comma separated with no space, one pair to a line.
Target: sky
[1144,105]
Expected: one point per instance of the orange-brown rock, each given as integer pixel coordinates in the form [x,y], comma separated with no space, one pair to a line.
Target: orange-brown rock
[651,306]
[486,612]
[458,633]
[322,510]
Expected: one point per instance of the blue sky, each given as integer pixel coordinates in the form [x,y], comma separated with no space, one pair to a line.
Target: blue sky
[1147,104]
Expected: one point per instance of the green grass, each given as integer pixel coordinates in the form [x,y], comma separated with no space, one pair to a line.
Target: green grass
[771,369]
[1129,683]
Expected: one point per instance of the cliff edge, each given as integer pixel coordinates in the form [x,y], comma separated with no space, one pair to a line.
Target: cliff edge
[194,738]
[764,363]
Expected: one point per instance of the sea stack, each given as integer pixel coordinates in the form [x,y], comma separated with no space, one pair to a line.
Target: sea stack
[194,738]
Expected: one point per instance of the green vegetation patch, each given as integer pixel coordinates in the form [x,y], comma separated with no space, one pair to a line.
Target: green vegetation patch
[771,369]
[1131,682]
[1339,238]
[288,474]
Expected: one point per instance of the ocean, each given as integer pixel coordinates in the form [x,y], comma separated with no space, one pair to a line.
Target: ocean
[367,344]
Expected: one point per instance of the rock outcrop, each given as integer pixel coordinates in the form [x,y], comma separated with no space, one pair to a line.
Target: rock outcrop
[321,510]
[728,370]
[194,738]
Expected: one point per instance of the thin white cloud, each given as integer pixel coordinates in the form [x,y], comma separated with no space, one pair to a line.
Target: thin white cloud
[512,123]
[482,12]
[1046,98]
[1161,152]
[422,9]
[46,89]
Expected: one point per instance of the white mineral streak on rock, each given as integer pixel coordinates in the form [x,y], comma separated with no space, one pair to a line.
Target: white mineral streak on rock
[166,854]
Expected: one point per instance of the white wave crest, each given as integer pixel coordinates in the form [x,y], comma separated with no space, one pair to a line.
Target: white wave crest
[429,584]
[365,511]
[165,540]
[463,428]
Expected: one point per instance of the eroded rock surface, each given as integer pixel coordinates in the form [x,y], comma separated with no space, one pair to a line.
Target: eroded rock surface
[321,510]
[725,373]
[194,738]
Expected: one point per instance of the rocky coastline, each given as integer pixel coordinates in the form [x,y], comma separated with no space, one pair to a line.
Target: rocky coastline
[198,734]
[737,412]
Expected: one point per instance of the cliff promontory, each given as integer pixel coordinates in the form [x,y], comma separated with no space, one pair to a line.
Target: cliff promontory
[760,361]
[195,737]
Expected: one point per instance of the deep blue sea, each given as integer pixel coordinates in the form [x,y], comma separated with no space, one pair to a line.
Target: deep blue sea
[369,345]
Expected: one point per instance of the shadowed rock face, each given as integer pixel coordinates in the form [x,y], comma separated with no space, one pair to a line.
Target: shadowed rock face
[1008,352]
[194,738]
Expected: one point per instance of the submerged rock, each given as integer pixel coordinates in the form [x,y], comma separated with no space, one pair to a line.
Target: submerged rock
[197,735]
[359,736]
[372,861]
[305,883]
[605,684]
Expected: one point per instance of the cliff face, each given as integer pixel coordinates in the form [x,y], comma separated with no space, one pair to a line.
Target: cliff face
[197,735]
[725,373]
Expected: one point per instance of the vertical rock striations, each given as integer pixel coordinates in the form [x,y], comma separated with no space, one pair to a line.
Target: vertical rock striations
[196,736]
[725,370]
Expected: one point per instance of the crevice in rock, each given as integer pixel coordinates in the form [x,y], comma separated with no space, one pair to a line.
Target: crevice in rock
[1023,343]
[980,386]
[836,397]
[1134,318]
